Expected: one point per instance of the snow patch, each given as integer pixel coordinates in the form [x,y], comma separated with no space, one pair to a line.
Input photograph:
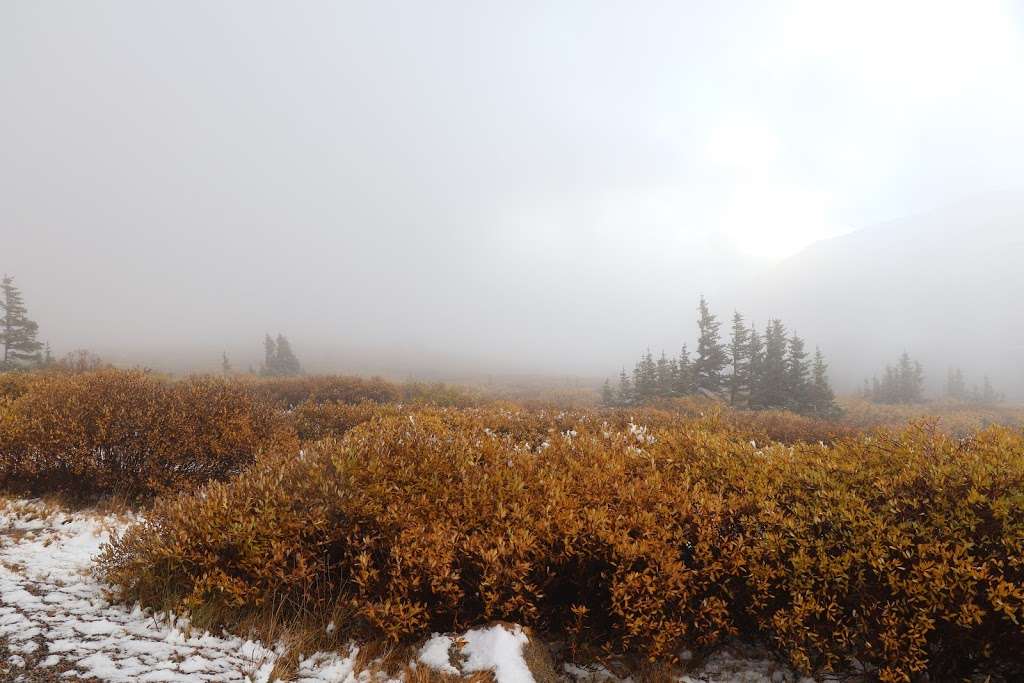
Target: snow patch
[497,648]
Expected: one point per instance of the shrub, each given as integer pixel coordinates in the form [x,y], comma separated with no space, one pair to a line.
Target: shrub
[786,427]
[428,521]
[131,434]
[289,392]
[315,421]
[954,418]
[903,551]
[440,394]
[15,384]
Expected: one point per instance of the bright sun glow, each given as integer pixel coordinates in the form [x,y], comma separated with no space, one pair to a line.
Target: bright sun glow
[774,222]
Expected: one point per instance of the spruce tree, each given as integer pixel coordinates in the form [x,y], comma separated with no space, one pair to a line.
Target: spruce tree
[684,373]
[711,356]
[823,399]
[269,357]
[755,369]
[988,395]
[625,393]
[774,379]
[739,349]
[17,332]
[287,364]
[664,376]
[645,378]
[225,364]
[798,397]
[607,395]
[903,383]
[892,386]
[910,380]
[279,360]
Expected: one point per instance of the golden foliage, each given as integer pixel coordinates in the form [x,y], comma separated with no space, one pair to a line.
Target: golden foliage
[957,419]
[904,551]
[131,434]
[289,392]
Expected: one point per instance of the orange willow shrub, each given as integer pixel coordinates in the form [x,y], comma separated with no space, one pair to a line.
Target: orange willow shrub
[958,419]
[289,392]
[787,427]
[904,552]
[315,421]
[14,384]
[440,394]
[132,434]
[430,521]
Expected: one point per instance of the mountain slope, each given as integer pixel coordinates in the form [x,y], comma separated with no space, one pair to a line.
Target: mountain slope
[946,286]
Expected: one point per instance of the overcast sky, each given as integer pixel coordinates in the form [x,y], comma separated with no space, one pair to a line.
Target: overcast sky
[516,186]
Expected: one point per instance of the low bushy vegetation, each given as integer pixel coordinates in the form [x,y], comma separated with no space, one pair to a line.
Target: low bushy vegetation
[315,421]
[397,510]
[288,392]
[956,419]
[903,551]
[129,434]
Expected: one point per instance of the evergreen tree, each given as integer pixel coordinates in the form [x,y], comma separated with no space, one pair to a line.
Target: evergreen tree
[663,371]
[755,369]
[987,396]
[901,384]
[269,356]
[48,359]
[711,356]
[607,395]
[823,399]
[769,371]
[280,360]
[798,395]
[288,365]
[684,373]
[645,378]
[17,332]
[774,389]
[625,394]
[225,364]
[910,380]
[739,349]
[956,388]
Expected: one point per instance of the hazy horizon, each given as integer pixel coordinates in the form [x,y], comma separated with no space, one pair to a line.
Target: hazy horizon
[494,188]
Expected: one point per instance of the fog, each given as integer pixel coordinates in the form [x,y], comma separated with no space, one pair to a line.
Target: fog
[444,189]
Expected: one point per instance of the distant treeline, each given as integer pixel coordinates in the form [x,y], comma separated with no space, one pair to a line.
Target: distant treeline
[904,383]
[751,372]
[956,389]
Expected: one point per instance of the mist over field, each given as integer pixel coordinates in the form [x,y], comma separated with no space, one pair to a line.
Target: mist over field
[450,190]
[511,341]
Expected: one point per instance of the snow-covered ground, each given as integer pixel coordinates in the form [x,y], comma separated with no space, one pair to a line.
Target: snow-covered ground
[54,615]
[56,624]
